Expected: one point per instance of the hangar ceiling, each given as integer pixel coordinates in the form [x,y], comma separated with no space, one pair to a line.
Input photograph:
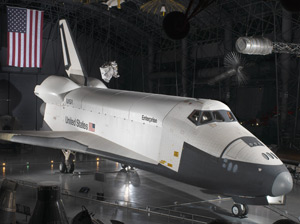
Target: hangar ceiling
[129,31]
[129,28]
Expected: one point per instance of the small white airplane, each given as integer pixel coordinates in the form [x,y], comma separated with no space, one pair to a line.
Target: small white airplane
[195,141]
[113,3]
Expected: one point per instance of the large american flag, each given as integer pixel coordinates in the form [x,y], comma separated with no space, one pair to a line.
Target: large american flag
[24,37]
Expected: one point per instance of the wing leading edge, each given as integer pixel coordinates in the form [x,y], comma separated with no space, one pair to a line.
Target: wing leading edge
[76,141]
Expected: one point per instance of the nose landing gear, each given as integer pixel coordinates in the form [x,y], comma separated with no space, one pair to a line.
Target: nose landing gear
[68,165]
[239,210]
[127,167]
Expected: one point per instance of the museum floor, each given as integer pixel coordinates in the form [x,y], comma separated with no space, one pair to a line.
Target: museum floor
[133,197]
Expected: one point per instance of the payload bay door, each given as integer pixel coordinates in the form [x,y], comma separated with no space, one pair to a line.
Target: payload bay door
[171,148]
[173,135]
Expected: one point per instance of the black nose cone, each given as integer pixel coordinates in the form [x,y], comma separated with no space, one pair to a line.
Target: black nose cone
[282,184]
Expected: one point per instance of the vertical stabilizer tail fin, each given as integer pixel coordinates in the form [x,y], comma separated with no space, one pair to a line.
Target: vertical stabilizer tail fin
[72,60]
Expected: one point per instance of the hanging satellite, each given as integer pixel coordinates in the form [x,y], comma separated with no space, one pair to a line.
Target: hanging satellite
[113,3]
[109,70]
[161,7]
[176,24]
[264,46]
[235,65]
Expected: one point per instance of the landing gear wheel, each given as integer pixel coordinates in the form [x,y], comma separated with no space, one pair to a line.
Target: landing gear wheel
[67,166]
[246,210]
[124,166]
[70,168]
[62,167]
[237,210]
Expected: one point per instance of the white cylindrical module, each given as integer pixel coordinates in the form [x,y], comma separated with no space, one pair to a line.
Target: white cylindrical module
[255,46]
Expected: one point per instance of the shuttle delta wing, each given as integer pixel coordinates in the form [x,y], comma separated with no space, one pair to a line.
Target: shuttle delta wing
[77,142]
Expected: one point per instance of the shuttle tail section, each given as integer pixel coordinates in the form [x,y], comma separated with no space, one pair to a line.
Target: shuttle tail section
[72,60]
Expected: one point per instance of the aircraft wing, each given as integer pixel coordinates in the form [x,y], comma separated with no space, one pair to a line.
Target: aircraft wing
[82,142]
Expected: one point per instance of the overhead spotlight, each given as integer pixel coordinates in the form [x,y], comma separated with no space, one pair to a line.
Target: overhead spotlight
[163,10]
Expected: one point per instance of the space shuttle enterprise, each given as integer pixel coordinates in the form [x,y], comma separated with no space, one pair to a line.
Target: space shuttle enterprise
[195,141]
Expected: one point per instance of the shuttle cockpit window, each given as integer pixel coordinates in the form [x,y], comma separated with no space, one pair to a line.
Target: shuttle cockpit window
[203,117]
[195,117]
[206,117]
[217,116]
[230,116]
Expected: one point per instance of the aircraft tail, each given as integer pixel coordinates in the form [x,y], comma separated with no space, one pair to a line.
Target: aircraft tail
[72,60]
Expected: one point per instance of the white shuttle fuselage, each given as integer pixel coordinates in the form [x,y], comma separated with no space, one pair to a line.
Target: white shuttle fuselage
[196,141]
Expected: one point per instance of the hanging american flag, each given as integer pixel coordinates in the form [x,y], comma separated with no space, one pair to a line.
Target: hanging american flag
[24,37]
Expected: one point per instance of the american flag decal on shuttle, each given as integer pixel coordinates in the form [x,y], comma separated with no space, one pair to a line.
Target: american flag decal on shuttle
[92,127]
